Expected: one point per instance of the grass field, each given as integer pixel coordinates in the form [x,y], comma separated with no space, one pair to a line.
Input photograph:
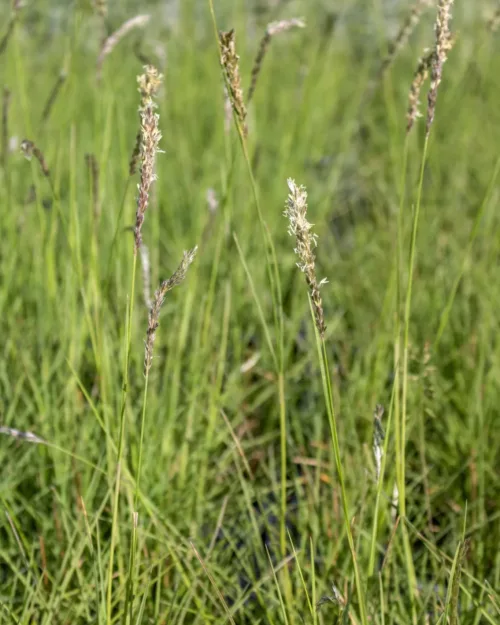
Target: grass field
[259,473]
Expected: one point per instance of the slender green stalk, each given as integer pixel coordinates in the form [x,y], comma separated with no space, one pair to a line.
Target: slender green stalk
[141,440]
[282,403]
[127,611]
[328,393]
[121,442]
[404,400]
[406,337]
[400,459]
[400,402]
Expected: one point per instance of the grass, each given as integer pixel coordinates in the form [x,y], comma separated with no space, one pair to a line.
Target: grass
[239,514]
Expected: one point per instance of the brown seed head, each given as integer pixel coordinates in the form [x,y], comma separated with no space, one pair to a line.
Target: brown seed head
[159,297]
[29,149]
[149,83]
[150,139]
[147,143]
[300,228]
[443,45]
[230,65]
[420,76]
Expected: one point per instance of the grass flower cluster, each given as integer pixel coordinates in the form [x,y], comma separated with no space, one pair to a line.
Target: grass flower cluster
[300,228]
[230,64]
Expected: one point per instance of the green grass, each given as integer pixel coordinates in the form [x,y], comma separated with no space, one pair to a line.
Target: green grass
[240,508]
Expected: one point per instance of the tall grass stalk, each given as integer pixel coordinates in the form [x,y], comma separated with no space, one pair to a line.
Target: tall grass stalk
[153,322]
[274,282]
[328,394]
[121,440]
[400,459]
[150,138]
[404,395]
[433,63]
[300,228]
[400,401]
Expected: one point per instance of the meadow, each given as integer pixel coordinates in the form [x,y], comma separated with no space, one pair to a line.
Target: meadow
[194,429]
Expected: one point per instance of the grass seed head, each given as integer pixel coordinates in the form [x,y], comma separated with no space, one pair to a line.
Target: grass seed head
[150,139]
[150,136]
[149,83]
[300,228]
[420,76]
[230,64]
[29,437]
[404,33]
[110,42]
[273,28]
[443,45]
[30,149]
[154,313]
